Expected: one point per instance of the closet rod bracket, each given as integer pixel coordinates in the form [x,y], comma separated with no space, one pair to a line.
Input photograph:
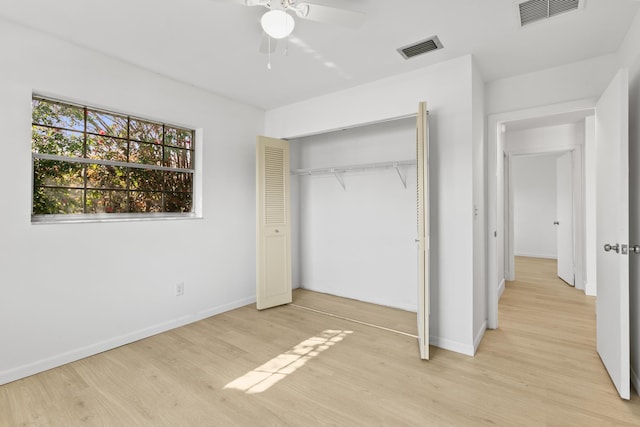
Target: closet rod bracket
[340,177]
[400,171]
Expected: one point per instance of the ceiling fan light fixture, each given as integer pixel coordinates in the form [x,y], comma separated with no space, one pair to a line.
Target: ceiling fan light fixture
[278,24]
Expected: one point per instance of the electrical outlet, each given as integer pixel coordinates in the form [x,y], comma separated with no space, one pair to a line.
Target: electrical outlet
[180,289]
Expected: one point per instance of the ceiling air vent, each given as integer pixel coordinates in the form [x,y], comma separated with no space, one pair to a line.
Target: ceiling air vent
[535,10]
[418,48]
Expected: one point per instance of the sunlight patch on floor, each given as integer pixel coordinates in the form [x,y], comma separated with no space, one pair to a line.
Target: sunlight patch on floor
[265,376]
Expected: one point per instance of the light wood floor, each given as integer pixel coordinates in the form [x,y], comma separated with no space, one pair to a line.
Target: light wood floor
[540,368]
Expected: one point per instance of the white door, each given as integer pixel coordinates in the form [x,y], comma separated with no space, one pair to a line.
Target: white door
[273,223]
[612,231]
[564,217]
[422,149]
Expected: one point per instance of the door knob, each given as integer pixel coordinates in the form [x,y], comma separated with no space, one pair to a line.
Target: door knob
[615,248]
[556,222]
[635,249]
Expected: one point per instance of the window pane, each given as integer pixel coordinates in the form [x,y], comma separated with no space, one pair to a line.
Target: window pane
[145,201]
[145,131]
[182,138]
[177,158]
[177,202]
[57,174]
[59,115]
[144,179]
[106,148]
[57,201]
[102,123]
[55,141]
[178,182]
[62,130]
[106,201]
[148,154]
[101,176]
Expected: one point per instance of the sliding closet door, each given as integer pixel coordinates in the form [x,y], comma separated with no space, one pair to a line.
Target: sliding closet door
[422,147]
[273,223]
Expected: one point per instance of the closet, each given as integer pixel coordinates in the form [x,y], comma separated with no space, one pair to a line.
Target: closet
[354,225]
[342,219]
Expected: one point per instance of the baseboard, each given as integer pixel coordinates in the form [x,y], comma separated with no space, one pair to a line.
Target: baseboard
[446,344]
[500,288]
[382,302]
[479,335]
[530,255]
[102,346]
[635,380]
[203,314]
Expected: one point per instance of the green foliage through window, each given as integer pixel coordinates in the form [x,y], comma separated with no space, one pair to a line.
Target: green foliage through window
[89,161]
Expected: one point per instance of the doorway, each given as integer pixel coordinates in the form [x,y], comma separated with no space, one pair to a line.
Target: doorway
[611,138]
[544,205]
[499,148]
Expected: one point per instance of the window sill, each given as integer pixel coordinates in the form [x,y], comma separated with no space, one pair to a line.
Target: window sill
[85,218]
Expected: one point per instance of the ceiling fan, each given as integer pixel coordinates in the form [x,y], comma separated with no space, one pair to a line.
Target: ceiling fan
[279,23]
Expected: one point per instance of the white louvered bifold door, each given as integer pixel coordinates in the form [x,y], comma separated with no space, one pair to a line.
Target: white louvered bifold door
[422,148]
[273,245]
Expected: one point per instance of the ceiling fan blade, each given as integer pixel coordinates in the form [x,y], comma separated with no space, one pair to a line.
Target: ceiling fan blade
[265,3]
[330,15]
[246,2]
[265,46]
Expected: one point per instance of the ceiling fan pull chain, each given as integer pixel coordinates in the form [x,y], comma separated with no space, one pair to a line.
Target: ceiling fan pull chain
[269,54]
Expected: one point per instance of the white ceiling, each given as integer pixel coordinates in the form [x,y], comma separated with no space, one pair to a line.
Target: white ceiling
[213,44]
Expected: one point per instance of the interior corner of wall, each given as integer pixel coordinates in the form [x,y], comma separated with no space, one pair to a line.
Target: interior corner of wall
[451,345]
[635,380]
[501,288]
[628,54]
[478,336]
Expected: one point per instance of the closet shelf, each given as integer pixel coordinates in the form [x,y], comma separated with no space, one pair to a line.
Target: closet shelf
[338,171]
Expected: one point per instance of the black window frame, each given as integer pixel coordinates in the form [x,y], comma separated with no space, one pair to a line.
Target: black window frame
[171,196]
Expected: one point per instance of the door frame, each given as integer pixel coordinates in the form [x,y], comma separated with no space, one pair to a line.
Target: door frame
[579,207]
[576,275]
[495,186]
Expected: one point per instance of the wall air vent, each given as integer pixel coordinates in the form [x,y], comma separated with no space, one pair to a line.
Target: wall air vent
[535,10]
[418,48]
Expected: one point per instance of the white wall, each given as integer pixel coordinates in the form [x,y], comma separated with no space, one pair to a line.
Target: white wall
[71,290]
[534,205]
[545,139]
[479,211]
[577,80]
[630,57]
[359,242]
[447,88]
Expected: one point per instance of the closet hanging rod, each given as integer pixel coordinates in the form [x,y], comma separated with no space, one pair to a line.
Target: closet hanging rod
[350,168]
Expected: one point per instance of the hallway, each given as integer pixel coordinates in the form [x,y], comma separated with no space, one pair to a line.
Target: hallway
[547,329]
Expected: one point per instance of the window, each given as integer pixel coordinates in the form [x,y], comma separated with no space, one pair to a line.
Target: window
[90,163]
